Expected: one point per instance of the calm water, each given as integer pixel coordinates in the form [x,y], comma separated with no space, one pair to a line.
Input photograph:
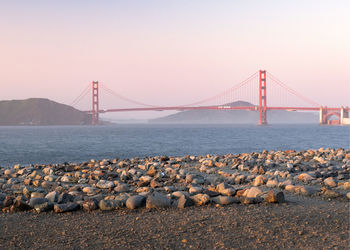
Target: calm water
[27,145]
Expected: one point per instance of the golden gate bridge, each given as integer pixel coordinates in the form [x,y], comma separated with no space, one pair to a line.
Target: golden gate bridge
[258,84]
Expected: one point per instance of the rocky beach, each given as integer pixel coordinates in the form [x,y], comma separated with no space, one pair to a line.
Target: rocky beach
[269,198]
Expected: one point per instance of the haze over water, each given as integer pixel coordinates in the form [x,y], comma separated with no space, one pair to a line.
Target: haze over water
[26,145]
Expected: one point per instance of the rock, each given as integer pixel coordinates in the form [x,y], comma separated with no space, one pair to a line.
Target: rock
[52,196]
[285,183]
[305,177]
[179,194]
[90,205]
[248,200]
[37,201]
[330,193]
[103,184]
[271,183]
[135,201]
[121,188]
[221,186]
[200,199]
[330,182]
[44,207]
[157,200]
[259,181]
[185,202]
[348,195]
[253,192]
[108,205]
[225,200]
[21,205]
[65,198]
[88,190]
[67,207]
[67,179]
[306,190]
[228,192]
[289,188]
[195,190]
[274,197]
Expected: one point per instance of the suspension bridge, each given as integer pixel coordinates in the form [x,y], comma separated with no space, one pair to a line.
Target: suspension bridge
[256,89]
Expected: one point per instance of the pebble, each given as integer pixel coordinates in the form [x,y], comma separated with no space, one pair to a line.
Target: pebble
[135,201]
[66,207]
[159,182]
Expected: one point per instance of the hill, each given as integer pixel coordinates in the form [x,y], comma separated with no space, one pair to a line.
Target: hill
[38,111]
[236,116]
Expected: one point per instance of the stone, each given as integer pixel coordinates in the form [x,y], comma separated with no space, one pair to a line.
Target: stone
[221,186]
[200,199]
[90,205]
[121,188]
[65,198]
[52,196]
[225,200]
[66,207]
[330,182]
[289,188]
[195,190]
[157,200]
[135,201]
[330,193]
[305,177]
[108,205]
[21,205]
[228,192]
[259,181]
[185,202]
[306,190]
[179,194]
[44,207]
[271,183]
[67,179]
[103,184]
[348,195]
[88,190]
[274,197]
[248,200]
[36,201]
[253,192]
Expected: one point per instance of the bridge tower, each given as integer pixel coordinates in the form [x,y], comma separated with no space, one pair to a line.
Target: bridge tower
[95,104]
[262,98]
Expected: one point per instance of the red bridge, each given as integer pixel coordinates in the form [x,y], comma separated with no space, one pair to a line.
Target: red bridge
[280,93]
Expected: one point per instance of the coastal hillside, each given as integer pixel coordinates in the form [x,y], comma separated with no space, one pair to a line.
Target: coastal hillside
[38,111]
[236,116]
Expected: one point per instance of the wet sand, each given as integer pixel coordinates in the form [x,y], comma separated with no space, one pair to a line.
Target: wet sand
[301,223]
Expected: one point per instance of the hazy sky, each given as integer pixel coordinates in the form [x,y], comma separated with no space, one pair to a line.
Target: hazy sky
[172,52]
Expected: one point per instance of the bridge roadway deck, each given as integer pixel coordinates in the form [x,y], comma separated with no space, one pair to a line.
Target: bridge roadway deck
[223,107]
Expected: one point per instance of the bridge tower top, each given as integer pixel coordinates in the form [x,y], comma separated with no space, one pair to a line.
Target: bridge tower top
[95,104]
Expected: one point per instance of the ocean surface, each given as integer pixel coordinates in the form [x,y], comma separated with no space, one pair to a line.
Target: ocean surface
[58,144]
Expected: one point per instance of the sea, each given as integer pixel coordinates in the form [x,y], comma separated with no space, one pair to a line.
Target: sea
[58,144]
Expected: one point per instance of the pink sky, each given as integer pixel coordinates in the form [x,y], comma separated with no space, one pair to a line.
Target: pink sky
[172,53]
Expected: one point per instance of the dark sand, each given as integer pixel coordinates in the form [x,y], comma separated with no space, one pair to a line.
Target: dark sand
[307,223]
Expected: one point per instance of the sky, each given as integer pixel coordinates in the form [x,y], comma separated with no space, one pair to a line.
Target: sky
[172,52]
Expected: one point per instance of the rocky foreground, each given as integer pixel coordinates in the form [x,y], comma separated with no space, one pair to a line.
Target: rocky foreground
[178,182]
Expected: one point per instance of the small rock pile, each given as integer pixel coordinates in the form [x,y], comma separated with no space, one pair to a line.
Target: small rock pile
[163,182]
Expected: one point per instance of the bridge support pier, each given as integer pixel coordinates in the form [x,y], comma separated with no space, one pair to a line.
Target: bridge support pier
[262,98]
[344,116]
[95,104]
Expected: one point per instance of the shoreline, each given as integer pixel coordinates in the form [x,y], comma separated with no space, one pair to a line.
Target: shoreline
[289,199]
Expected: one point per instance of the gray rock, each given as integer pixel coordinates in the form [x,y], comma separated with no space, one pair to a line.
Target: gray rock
[253,192]
[274,197]
[225,200]
[330,182]
[157,200]
[103,184]
[135,201]
[52,196]
[37,201]
[107,205]
[65,198]
[67,207]
[185,201]
[90,205]
[21,205]
[44,207]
